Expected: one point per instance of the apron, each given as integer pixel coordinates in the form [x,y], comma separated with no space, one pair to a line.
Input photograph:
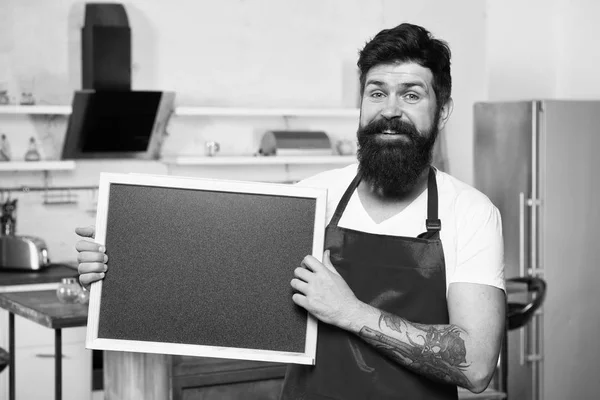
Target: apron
[405,276]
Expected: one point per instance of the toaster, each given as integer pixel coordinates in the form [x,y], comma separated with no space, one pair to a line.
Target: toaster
[23,253]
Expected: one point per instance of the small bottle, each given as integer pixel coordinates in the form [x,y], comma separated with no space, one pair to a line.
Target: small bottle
[4,148]
[32,153]
[4,99]
[68,291]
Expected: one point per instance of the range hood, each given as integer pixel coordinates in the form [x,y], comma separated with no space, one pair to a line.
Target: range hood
[117,124]
[108,119]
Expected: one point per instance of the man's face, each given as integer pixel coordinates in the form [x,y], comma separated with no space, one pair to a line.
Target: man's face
[399,123]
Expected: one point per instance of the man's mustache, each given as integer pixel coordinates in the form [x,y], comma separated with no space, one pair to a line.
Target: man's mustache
[393,125]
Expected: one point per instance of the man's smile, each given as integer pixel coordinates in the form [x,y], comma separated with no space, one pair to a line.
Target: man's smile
[392,135]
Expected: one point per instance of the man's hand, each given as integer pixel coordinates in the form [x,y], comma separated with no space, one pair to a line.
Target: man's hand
[324,293]
[91,258]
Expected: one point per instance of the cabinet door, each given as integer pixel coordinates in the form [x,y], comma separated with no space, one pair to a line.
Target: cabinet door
[30,334]
[258,390]
[35,373]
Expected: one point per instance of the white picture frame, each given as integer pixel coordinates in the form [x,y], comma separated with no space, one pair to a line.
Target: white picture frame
[145,182]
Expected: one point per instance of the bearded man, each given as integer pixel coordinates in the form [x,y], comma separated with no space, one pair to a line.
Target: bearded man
[410,293]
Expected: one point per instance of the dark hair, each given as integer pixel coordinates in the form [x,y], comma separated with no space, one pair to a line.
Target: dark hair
[409,43]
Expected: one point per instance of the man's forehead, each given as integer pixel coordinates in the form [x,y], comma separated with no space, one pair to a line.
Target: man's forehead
[400,72]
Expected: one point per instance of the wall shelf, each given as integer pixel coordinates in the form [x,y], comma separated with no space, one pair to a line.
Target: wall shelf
[37,165]
[267,112]
[270,160]
[35,109]
[203,111]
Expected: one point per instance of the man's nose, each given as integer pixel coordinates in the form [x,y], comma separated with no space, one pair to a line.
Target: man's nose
[392,108]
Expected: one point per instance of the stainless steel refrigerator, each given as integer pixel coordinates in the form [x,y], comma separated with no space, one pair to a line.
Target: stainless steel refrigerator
[538,162]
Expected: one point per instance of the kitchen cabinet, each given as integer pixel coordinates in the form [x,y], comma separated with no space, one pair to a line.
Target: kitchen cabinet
[34,345]
[31,334]
[35,371]
[34,352]
[211,378]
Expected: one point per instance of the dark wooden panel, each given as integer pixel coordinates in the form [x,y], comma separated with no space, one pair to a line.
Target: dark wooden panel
[257,390]
[185,366]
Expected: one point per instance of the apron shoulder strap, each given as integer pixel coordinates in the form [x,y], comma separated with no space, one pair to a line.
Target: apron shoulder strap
[432,223]
[339,210]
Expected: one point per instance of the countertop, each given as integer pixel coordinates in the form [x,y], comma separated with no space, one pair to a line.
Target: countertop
[44,308]
[51,274]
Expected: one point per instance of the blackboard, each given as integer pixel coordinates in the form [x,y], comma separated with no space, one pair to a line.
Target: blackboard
[203,267]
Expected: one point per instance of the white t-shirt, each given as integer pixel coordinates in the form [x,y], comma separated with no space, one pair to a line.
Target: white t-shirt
[471,232]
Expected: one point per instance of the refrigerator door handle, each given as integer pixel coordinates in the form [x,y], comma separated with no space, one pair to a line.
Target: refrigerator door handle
[522,234]
[522,345]
[522,332]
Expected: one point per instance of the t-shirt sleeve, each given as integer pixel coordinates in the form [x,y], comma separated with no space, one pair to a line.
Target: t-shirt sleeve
[480,246]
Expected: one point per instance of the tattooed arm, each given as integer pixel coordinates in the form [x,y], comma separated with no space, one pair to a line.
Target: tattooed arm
[463,352]
[436,351]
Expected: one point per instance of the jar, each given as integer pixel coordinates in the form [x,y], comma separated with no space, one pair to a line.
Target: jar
[84,297]
[68,291]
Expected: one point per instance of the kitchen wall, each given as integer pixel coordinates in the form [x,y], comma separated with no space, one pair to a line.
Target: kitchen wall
[521,49]
[246,53]
[258,53]
[542,49]
[243,53]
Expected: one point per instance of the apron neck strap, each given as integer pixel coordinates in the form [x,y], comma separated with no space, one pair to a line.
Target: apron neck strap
[432,223]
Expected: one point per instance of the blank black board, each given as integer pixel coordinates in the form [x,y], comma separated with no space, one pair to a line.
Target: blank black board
[191,264]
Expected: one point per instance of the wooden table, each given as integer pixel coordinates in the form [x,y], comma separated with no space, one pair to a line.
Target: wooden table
[44,308]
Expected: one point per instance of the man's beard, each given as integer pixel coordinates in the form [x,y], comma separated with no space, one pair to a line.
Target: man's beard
[394,166]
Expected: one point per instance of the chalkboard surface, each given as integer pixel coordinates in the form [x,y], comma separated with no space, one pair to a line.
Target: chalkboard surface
[205,267]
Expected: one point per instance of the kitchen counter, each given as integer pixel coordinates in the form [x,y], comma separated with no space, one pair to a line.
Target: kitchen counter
[51,274]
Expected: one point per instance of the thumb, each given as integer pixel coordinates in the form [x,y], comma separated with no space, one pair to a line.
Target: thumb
[327,262]
[88,231]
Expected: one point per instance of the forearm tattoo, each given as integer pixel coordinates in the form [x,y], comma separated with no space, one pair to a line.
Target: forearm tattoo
[440,356]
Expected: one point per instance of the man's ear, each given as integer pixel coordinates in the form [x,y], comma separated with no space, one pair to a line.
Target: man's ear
[445,113]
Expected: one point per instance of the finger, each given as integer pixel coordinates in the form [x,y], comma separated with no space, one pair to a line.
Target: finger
[312,264]
[304,274]
[87,279]
[86,231]
[86,245]
[89,267]
[299,285]
[300,300]
[91,256]
[327,263]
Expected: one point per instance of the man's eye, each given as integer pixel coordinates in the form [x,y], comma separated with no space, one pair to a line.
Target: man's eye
[412,97]
[377,95]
